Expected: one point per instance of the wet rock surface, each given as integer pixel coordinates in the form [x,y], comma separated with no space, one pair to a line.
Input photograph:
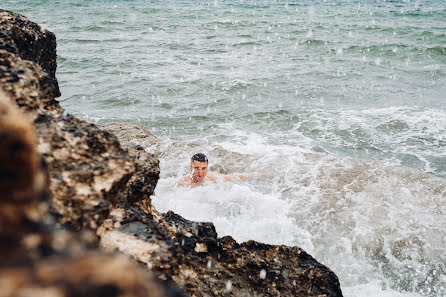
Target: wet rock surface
[81,187]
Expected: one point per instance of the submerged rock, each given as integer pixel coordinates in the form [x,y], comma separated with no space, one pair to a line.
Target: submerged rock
[89,182]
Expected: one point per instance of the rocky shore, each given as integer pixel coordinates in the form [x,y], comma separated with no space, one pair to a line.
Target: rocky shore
[76,217]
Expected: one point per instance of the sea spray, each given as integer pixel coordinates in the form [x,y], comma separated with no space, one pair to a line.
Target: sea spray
[380,227]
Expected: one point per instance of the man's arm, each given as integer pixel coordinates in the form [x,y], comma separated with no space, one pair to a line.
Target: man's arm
[185,181]
[234,177]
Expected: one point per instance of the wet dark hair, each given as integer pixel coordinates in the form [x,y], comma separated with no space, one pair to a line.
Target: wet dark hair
[199,158]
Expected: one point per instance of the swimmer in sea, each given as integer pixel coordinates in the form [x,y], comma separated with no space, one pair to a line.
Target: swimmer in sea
[199,173]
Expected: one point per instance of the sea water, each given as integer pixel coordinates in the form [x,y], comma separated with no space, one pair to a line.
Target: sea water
[334,110]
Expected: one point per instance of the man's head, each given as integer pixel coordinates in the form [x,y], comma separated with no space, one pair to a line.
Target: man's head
[199,167]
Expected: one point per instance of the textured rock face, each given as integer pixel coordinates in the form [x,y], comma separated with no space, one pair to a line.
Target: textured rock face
[22,183]
[27,85]
[64,143]
[202,264]
[39,259]
[28,41]
[87,167]
[92,274]
[98,186]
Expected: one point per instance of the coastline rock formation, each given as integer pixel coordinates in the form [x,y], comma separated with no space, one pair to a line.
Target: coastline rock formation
[25,39]
[83,188]
[39,258]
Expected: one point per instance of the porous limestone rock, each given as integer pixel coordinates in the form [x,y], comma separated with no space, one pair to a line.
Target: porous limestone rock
[131,134]
[30,42]
[87,167]
[38,257]
[202,264]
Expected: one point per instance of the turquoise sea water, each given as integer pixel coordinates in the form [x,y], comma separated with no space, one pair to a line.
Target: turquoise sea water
[341,103]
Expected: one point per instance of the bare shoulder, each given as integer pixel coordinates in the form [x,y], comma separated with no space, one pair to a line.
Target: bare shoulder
[227,178]
[185,181]
[235,177]
[212,177]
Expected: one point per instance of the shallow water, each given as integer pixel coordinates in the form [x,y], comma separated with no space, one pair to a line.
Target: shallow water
[337,110]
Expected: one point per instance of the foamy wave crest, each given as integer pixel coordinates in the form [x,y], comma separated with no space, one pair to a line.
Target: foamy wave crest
[234,85]
[413,138]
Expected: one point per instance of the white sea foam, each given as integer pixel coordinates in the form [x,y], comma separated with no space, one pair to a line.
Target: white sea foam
[381,228]
[374,289]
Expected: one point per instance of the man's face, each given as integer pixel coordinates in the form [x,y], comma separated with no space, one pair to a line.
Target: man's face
[199,171]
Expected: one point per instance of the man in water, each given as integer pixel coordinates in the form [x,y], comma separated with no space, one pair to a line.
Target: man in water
[199,173]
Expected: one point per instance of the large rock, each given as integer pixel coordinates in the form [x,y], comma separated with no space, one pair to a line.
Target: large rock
[88,169]
[96,184]
[215,266]
[77,162]
[38,258]
[28,41]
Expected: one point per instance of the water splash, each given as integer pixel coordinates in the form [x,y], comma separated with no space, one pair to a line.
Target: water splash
[377,225]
